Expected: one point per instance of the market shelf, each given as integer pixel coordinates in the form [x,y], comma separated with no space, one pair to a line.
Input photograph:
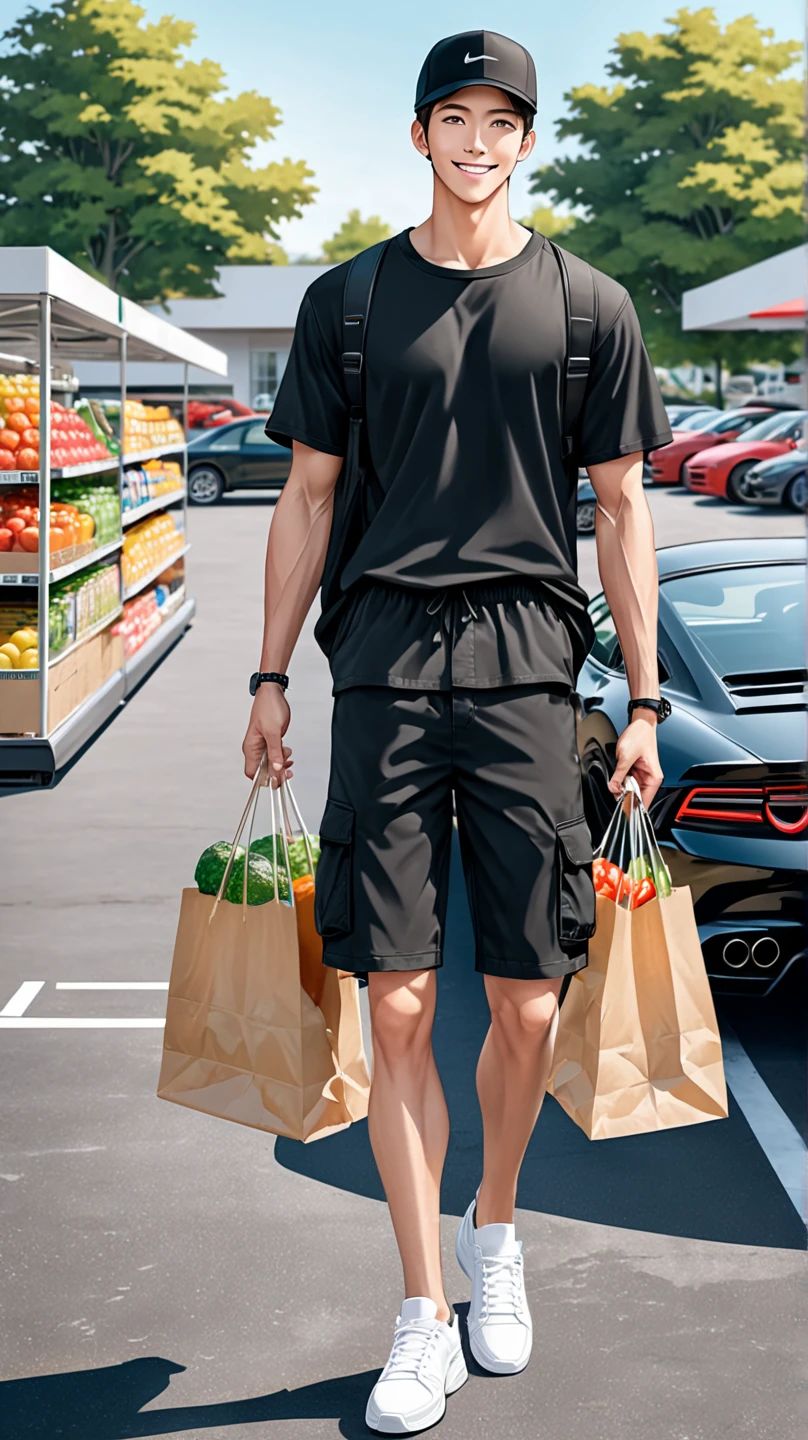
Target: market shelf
[141,456]
[61,572]
[159,502]
[90,467]
[154,574]
[88,635]
[144,659]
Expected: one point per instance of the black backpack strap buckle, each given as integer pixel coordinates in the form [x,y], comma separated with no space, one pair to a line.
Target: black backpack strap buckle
[352,362]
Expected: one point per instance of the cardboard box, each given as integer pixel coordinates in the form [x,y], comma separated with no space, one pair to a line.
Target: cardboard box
[71,681]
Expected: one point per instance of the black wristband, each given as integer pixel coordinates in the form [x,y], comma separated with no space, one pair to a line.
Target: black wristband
[264,676]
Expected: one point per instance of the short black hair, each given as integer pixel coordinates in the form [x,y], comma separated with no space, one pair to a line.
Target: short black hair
[521,108]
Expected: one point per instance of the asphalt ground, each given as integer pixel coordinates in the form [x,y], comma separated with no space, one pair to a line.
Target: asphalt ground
[168,1274]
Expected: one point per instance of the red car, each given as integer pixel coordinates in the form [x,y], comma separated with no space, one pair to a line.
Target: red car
[208,414]
[668,463]
[720,469]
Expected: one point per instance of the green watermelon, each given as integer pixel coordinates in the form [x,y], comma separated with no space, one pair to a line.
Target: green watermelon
[260,884]
[211,865]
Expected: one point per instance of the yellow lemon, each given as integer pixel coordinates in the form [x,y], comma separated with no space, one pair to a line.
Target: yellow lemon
[5,663]
[24,639]
[12,652]
[29,660]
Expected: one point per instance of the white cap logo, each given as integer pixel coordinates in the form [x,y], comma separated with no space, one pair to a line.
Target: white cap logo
[471,58]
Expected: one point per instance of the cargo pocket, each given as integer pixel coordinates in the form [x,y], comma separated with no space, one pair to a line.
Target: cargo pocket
[333,888]
[575,904]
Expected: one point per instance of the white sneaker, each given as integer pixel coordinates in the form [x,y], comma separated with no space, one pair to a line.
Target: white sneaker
[426,1364]
[500,1328]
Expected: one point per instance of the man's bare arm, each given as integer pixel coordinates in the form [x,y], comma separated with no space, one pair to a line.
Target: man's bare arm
[296,550]
[628,571]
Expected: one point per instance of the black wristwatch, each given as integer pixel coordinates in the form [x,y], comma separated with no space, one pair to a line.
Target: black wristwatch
[662,707]
[261,676]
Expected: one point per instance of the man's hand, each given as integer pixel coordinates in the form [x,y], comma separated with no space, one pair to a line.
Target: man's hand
[269,721]
[637,755]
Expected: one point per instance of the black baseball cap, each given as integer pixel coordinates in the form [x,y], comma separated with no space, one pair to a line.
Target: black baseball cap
[477,57]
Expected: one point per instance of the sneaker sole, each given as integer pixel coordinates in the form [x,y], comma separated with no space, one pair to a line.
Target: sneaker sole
[385,1423]
[494,1367]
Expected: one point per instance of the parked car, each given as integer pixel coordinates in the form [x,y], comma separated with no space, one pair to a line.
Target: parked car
[781,481]
[667,463]
[208,413]
[238,456]
[732,812]
[587,505]
[720,469]
[677,413]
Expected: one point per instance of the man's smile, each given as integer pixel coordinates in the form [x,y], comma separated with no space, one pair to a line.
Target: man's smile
[472,169]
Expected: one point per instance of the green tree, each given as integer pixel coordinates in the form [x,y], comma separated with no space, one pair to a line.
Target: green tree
[548,222]
[127,156]
[354,234]
[692,168]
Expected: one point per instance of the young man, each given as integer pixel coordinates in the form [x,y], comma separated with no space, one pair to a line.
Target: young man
[460,633]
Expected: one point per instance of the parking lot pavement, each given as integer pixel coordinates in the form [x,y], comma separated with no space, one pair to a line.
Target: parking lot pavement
[169,1274]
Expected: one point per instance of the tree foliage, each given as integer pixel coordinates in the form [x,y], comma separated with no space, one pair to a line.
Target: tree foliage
[548,222]
[692,167]
[129,158]
[354,234]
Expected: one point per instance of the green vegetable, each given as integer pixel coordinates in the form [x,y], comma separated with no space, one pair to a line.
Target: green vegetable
[298,860]
[260,885]
[105,437]
[639,868]
[662,878]
[211,865]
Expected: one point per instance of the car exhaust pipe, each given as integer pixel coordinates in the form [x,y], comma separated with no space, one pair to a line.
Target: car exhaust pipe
[736,952]
[765,952]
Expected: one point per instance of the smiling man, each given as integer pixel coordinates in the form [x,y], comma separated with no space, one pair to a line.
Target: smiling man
[455,627]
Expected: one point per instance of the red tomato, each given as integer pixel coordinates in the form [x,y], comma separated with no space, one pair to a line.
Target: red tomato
[27,458]
[31,437]
[6,539]
[18,421]
[16,524]
[9,439]
[31,405]
[29,538]
[6,460]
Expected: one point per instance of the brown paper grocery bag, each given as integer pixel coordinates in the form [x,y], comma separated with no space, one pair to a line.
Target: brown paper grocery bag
[637,1047]
[243,1039]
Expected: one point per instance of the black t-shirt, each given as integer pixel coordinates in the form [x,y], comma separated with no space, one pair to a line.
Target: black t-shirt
[462,379]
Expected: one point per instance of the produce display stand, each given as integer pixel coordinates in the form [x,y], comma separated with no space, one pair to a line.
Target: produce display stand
[52,316]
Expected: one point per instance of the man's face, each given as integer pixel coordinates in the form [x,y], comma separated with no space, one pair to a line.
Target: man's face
[475,141]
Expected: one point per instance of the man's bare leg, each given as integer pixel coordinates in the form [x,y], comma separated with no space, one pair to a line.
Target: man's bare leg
[408,1123]
[511,1077]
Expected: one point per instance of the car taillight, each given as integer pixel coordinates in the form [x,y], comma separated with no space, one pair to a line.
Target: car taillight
[784,807]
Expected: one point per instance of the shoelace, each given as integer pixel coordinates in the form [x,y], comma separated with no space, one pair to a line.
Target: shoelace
[411,1345]
[502,1285]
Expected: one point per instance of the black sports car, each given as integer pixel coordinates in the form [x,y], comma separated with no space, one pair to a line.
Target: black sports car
[732,813]
[235,457]
[780,481]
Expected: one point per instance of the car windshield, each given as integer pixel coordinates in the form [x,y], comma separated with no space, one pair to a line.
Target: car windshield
[744,620]
[702,420]
[773,427]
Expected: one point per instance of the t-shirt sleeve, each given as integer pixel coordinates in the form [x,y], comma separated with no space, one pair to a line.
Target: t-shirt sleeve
[311,404]
[623,409]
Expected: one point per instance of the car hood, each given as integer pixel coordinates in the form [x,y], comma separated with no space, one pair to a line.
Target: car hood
[792,460]
[683,438]
[739,450]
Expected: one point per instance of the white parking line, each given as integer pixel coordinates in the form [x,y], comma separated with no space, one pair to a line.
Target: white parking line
[21,999]
[779,1140]
[111,984]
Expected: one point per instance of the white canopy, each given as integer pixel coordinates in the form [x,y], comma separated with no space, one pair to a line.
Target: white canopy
[767,296]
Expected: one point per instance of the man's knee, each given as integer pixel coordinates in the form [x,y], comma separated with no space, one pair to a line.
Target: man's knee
[402,1019]
[522,1021]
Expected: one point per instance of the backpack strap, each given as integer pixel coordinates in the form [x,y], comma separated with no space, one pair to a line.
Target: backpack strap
[359,283]
[579,303]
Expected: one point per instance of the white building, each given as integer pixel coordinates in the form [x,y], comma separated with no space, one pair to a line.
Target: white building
[252,321]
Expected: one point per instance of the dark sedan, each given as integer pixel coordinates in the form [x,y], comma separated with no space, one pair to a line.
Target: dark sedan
[732,813]
[235,457]
[780,481]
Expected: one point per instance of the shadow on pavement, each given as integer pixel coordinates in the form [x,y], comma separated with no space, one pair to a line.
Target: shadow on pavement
[708,1182]
[106,1404]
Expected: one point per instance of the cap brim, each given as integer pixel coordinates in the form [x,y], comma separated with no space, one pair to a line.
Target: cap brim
[464,85]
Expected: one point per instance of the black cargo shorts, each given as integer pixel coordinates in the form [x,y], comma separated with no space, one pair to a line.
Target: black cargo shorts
[510,756]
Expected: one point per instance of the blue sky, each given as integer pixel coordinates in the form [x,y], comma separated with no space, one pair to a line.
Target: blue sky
[344,78]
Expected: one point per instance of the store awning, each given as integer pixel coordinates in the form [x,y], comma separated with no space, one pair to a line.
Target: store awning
[759,297]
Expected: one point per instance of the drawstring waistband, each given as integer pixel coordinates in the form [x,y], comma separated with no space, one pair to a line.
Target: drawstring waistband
[433,608]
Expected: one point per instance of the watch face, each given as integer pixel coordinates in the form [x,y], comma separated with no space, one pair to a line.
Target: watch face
[253,683]
[664,709]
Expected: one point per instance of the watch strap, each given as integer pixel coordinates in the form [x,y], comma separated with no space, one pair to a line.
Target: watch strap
[658,706]
[262,677]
